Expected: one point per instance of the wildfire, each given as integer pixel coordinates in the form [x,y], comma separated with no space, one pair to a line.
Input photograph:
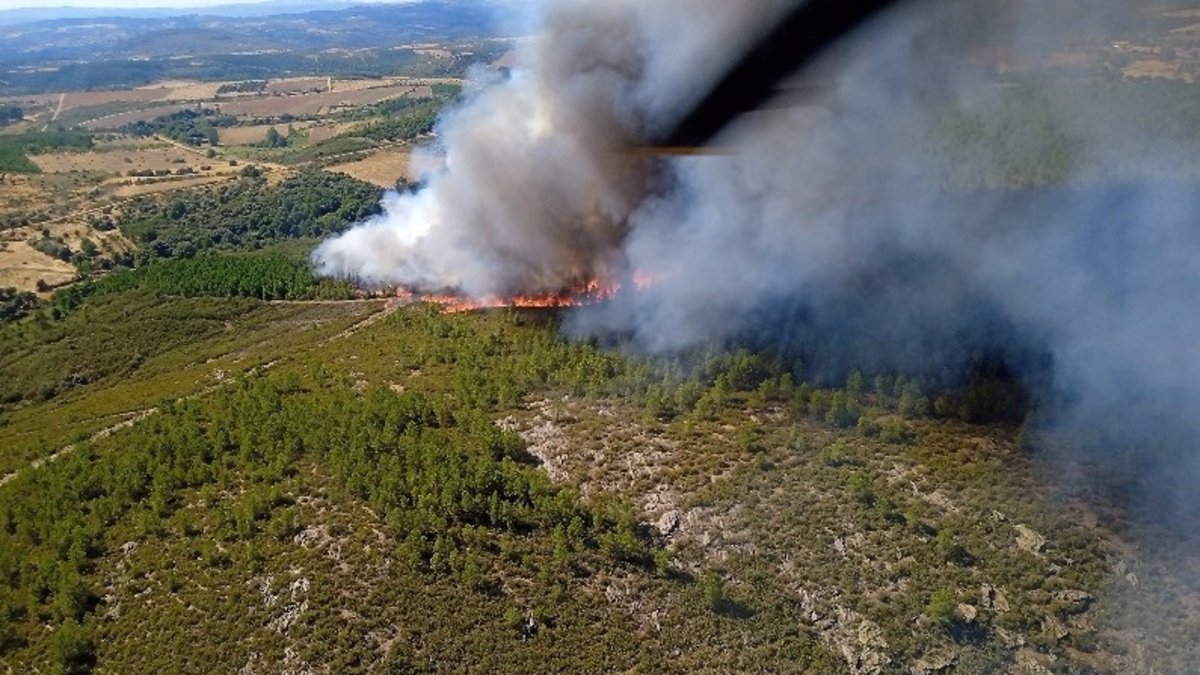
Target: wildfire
[592,293]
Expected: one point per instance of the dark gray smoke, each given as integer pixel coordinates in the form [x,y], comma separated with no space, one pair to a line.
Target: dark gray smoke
[950,180]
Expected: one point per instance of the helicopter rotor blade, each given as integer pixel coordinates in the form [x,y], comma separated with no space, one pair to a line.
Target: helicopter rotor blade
[800,37]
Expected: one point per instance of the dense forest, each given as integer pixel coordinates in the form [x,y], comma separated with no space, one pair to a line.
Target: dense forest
[248,213]
[261,276]
[439,476]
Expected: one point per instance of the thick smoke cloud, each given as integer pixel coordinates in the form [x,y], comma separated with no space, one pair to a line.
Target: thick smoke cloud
[538,186]
[848,215]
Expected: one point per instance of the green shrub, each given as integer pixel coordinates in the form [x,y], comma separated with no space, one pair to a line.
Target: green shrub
[941,608]
[71,649]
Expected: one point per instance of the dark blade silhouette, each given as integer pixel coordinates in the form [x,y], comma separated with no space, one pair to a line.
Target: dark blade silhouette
[801,36]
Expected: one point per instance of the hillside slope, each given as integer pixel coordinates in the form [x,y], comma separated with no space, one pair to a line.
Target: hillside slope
[380,488]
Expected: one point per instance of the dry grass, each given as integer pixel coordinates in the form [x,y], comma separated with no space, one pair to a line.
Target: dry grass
[194,91]
[21,193]
[121,119]
[172,90]
[297,85]
[31,100]
[382,168]
[1157,68]
[324,132]
[357,85]
[139,187]
[293,85]
[121,160]
[79,99]
[252,134]
[17,128]
[314,104]
[73,232]
[22,267]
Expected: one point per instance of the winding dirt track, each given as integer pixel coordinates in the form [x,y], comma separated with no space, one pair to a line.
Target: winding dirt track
[57,111]
[133,417]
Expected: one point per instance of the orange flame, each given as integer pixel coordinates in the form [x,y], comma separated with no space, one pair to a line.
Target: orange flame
[592,293]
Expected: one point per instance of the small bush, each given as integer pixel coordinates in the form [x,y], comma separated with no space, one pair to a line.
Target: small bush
[941,607]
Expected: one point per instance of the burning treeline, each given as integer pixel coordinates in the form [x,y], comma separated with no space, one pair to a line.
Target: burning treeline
[901,214]
[582,295]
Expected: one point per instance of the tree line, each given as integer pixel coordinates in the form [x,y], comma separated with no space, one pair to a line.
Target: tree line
[16,148]
[192,127]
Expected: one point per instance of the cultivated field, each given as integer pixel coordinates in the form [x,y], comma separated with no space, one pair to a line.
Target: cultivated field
[119,160]
[118,120]
[253,134]
[193,91]
[73,189]
[323,132]
[296,85]
[78,99]
[382,168]
[315,104]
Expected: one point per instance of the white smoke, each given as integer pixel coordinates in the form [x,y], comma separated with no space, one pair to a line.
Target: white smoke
[847,217]
[538,186]
[837,208]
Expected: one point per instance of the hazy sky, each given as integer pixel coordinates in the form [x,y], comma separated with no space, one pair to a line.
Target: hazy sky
[126,4]
[21,4]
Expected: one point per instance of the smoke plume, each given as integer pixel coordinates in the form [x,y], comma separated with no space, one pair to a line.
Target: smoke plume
[925,195]
[539,185]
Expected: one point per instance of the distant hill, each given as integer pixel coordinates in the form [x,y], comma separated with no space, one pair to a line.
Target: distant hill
[38,36]
[250,8]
